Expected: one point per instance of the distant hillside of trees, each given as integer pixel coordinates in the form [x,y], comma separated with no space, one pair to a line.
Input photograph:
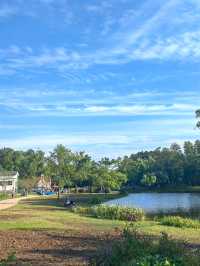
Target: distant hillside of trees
[172,166]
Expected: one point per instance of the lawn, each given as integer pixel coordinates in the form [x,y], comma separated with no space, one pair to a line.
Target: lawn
[41,230]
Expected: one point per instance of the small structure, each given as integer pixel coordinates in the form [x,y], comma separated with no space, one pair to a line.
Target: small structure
[8,181]
[43,183]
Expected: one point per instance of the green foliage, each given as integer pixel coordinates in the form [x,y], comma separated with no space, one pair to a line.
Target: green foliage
[9,260]
[169,166]
[198,117]
[178,221]
[95,200]
[3,196]
[134,249]
[112,212]
[149,180]
[27,183]
[160,168]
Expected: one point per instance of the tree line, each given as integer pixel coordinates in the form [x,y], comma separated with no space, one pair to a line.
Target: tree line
[65,167]
[164,167]
[171,166]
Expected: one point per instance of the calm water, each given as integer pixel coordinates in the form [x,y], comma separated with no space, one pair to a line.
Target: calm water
[153,203]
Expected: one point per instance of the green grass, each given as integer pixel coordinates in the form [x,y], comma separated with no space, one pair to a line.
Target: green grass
[178,221]
[48,214]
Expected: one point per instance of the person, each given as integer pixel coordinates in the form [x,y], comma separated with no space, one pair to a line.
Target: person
[69,203]
[13,193]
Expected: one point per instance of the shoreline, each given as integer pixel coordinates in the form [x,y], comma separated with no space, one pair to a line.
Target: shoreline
[180,189]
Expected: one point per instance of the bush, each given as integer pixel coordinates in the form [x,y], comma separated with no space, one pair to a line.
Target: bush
[81,190]
[3,196]
[134,249]
[112,212]
[178,221]
[95,200]
[10,260]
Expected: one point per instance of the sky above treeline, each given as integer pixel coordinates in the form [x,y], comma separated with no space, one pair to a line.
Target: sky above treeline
[105,76]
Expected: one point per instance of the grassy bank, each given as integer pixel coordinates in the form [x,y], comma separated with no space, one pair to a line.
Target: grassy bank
[181,222]
[41,229]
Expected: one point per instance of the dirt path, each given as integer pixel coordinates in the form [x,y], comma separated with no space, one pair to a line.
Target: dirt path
[4,204]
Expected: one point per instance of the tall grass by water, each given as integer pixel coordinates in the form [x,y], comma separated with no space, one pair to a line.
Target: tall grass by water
[181,222]
[112,212]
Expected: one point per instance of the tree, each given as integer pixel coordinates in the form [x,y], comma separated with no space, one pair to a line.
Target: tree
[27,184]
[149,180]
[83,164]
[198,117]
[135,168]
[61,164]
[105,179]
[6,159]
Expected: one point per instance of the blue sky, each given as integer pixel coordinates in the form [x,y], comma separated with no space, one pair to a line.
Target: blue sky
[108,77]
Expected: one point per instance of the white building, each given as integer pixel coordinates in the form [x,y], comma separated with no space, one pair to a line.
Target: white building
[8,181]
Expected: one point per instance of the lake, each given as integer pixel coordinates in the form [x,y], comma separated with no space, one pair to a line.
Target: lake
[166,203]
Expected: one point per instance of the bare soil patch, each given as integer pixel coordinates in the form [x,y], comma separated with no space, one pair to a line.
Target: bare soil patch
[51,248]
[7,217]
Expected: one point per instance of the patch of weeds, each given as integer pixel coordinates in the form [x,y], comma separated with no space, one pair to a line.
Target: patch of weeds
[135,249]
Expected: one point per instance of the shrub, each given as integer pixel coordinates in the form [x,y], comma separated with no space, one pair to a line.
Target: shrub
[81,190]
[135,249]
[3,196]
[11,258]
[112,212]
[178,221]
[95,200]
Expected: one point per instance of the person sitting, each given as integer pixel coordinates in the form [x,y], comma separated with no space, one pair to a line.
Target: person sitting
[69,203]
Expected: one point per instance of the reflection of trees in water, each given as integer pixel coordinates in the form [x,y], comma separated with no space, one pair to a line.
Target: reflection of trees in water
[194,200]
[183,204]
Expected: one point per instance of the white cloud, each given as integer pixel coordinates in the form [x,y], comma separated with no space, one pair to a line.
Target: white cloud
[149,39]
[65,109]
[50,141]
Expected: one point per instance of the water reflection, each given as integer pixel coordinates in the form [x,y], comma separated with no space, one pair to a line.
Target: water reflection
[154,203]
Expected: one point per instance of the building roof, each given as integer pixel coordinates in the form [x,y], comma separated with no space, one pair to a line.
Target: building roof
[8,174]
[43,181]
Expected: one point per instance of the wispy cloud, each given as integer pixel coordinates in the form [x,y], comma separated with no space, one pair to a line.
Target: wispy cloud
[53,140]
[82,110]
[145,42]
[7,11]
[66,102]
[107,76]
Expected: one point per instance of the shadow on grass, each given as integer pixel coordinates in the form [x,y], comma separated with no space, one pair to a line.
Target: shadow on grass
[45,203]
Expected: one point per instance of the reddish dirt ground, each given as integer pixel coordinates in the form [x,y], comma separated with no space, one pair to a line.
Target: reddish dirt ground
[5,204]
[43,248]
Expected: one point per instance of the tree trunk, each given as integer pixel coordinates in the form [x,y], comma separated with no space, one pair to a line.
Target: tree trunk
[58,194]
